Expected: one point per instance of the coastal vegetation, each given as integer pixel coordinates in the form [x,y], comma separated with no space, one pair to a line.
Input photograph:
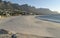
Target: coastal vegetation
[11,9]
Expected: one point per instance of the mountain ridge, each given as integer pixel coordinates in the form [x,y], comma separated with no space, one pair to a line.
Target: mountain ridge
[4,5]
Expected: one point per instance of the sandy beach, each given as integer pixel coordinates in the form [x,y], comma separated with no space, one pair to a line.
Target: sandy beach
[31,26]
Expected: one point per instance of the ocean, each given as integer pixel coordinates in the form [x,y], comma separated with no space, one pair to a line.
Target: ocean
[51,18]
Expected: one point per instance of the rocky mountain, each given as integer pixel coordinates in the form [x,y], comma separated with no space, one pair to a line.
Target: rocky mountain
[4,5]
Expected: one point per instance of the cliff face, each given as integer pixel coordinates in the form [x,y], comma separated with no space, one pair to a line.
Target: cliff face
[25,7]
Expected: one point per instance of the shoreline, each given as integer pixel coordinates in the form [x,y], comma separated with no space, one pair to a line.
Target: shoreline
[31,25]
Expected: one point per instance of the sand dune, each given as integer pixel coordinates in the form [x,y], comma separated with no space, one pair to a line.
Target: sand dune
[31,26]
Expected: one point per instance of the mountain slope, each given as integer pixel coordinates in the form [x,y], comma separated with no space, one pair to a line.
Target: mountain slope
[4,5]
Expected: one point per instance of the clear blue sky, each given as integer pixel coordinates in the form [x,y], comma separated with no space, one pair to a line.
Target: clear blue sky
[51,4]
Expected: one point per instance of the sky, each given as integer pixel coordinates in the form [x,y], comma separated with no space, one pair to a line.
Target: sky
[53,5]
